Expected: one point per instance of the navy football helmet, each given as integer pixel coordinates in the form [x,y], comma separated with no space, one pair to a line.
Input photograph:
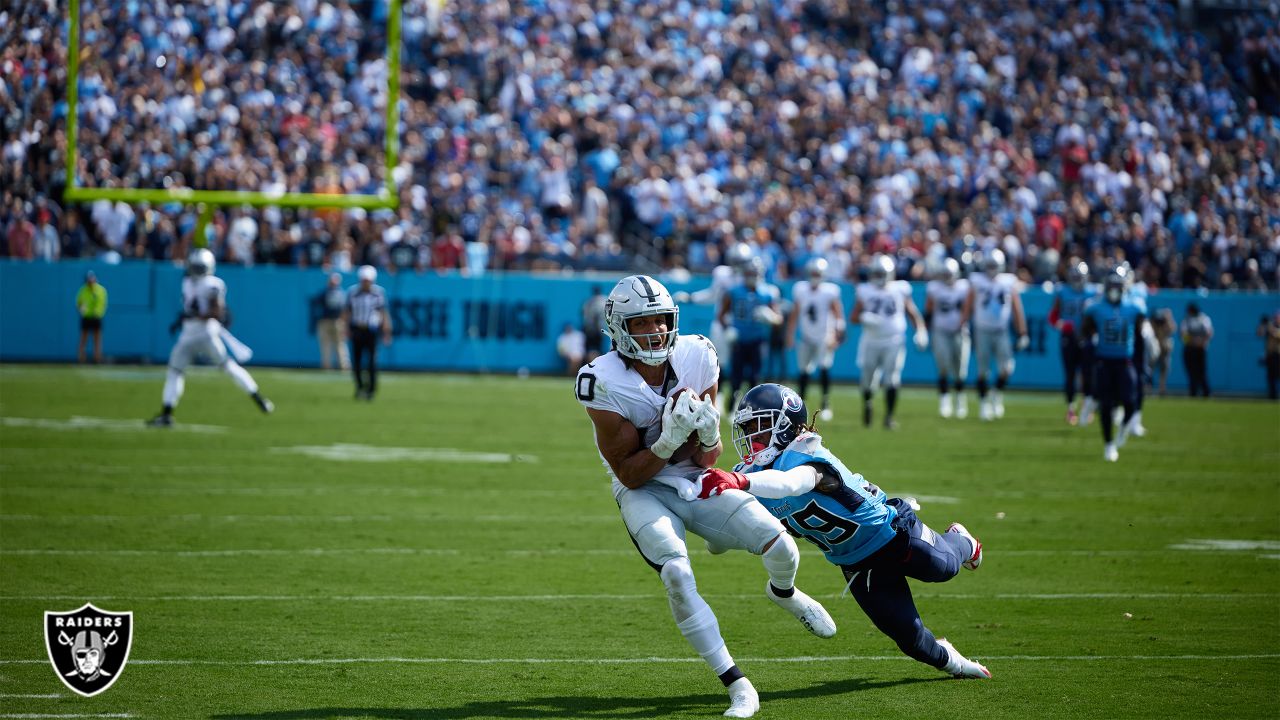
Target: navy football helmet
[1114,285]
[767,420]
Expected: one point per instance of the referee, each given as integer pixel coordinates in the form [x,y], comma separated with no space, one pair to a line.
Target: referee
[366,315]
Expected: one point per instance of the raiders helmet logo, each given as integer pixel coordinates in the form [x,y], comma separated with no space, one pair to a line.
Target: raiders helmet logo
[88,647]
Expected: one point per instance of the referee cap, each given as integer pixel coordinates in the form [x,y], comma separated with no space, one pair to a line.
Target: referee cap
[367,272]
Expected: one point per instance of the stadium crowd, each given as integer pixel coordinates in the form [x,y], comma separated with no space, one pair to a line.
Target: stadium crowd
[605,134]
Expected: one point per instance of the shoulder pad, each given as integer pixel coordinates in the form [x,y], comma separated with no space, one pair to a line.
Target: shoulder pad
[808,443]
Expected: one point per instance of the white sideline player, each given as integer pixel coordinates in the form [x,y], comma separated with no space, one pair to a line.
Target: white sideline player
[944,310]
[203,299]
[630,394]
[995,299]
[724,278]
[817,309]
[882,306]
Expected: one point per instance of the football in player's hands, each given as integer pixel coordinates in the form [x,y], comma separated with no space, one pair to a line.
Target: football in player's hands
[690,446]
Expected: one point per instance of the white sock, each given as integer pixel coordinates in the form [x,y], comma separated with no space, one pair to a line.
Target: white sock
[693,616]
[174,383]
[781,562]
[703,633]
[240,376]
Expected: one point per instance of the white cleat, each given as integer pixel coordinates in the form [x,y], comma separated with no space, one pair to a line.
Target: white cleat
[998,405]
[1135,427]
[1086,411]
[962,406]
[976,558]
[1122,436]
[825,415]
[986,412]
[1110,453]
[960,666]
[944,405]
[809,611]
[743,699]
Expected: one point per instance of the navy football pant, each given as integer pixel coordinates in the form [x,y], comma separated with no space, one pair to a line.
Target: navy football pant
[1077,358]
[879,583]
[745,360]
[1114,381]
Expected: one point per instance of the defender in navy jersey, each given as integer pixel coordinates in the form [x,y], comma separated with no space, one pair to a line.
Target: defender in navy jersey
[750,311]
[1117,323]
[877,542]
[1067,316]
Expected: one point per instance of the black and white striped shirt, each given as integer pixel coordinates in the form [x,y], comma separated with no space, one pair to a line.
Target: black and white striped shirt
[366,306]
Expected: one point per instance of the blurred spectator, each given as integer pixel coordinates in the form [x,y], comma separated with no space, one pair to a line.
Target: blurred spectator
[329,328]
[1164,327]
[1269,331]
[571,346]
[627,133]
[1197,331]
[20,239]
[91,303]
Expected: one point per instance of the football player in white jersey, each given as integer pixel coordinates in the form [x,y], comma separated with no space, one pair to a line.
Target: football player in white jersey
[995,300]
[724,278]
[817,310]
[882,306]
[652,404]
[944,313]
[204,298]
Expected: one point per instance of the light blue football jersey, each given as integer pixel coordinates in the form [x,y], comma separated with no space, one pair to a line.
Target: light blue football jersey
[848,525]
[743,303]
[1115,327]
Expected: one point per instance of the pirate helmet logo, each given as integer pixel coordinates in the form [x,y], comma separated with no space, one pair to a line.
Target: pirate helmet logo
[88,647]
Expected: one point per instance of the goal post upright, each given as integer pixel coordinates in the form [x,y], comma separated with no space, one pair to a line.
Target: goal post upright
[206,200]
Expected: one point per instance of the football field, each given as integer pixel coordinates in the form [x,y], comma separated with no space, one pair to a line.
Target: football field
[451,550]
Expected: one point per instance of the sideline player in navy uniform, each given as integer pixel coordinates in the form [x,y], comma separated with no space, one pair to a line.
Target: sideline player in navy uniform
[1117,323]
[1067,316]
[877,542]
[645,398]
[750,310]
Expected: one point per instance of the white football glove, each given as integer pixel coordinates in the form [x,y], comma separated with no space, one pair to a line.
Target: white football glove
[922,339]
[1024,342]
[677,423]
[707,423]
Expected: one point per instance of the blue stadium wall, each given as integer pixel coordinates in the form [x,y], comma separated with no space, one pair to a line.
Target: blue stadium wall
[489,323]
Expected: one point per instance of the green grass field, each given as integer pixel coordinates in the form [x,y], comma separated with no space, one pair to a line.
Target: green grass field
[499,581]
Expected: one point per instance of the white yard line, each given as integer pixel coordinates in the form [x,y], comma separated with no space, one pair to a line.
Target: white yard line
[615,597]
[654,660]
[78,422]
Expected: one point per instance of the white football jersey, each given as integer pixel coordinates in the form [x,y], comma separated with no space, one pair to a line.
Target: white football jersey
[817,323]
[948,304]
[608,383]
[198,296]
[889,302]
[993,300]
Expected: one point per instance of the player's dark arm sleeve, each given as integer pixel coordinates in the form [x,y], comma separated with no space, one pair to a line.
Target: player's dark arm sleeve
[828,479]
[1139,343]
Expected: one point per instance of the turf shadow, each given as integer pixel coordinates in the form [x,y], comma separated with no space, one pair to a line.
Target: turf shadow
[573,706]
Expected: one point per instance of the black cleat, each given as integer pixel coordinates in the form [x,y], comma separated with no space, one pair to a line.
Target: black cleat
[866,416]
[161,420]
